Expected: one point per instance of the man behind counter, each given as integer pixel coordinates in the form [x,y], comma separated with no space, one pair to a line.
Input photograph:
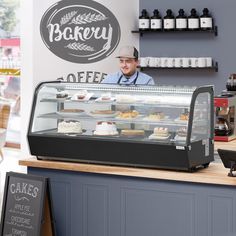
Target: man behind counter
[128,74]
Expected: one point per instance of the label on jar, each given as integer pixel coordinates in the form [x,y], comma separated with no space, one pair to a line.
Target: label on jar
[181,23]
[206,22]
[143,23]
[169,23]
[156,24]
[193,23]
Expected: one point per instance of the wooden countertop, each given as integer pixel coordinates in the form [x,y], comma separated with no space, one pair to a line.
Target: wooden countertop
[226,145]
[214,174]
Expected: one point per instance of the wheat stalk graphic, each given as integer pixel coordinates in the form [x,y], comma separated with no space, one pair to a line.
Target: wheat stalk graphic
[66,18]
[87,18]
[80,47]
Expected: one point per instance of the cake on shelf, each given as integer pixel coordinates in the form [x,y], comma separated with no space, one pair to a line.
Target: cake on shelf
[69,126]
[155,116]
[128,114]
[160,133]
[106,96]
[80,95]
[181,134]
[132,132]
[105,128]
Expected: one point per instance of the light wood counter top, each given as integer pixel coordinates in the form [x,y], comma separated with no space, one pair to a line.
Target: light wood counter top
[225,145]
[214,174]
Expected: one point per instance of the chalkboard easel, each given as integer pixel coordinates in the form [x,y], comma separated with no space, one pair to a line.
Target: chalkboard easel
[27,208]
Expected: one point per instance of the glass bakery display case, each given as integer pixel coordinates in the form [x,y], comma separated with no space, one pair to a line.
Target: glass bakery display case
[166,127]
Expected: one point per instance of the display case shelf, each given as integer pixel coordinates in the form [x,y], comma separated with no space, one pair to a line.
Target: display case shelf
[212,68]
[139,120]
[213,31]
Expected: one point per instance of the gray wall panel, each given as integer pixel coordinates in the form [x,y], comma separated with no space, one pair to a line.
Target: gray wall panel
[155,211]
[61,193]
[220,215]
[221,48]
[95,210]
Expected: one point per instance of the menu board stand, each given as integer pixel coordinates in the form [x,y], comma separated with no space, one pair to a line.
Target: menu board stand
[27,206]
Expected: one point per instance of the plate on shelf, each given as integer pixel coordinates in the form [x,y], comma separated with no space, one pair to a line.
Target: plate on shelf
[103,113]
[155,137]
[70,112]
[86,98]
[100,100]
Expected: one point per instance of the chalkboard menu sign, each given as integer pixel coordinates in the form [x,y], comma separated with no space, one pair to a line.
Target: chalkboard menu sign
[26,209]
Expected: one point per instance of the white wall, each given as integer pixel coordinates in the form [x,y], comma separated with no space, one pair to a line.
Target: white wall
[40,64]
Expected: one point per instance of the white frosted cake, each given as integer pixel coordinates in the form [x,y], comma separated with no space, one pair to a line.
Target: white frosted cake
[69,127]
[105,128]
[160,133]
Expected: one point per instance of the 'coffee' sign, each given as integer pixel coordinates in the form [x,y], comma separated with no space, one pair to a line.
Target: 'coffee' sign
[80,31]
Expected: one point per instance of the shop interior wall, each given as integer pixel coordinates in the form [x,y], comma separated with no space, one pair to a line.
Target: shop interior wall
[221,48]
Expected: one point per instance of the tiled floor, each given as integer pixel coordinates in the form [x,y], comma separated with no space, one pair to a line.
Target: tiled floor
[10,163]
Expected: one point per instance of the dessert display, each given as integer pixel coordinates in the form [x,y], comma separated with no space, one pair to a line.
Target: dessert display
[128,114]
[62,94]
[160,133]
[132,132]
[105,128]
[69,127]
[155,116]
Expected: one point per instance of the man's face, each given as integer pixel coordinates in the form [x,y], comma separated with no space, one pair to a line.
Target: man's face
[128,65]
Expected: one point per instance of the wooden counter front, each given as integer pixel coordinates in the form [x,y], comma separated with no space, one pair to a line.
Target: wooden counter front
[214,174]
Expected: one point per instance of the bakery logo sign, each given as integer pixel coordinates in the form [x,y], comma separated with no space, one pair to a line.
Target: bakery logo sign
[80,31]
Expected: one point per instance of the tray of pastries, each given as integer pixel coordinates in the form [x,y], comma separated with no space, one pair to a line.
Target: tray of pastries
[128,115]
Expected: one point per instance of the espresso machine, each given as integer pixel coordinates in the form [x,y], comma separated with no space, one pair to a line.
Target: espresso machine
[225,108]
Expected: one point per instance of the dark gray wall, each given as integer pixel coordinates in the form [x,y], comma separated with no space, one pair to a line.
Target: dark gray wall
[221,48]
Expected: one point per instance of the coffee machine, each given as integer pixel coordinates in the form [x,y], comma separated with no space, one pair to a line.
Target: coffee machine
[225,112]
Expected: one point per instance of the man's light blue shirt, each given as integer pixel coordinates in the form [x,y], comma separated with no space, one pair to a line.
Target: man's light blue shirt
[118,77]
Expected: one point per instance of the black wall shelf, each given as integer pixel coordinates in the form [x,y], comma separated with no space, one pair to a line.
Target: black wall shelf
[213,68]
[214,31]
